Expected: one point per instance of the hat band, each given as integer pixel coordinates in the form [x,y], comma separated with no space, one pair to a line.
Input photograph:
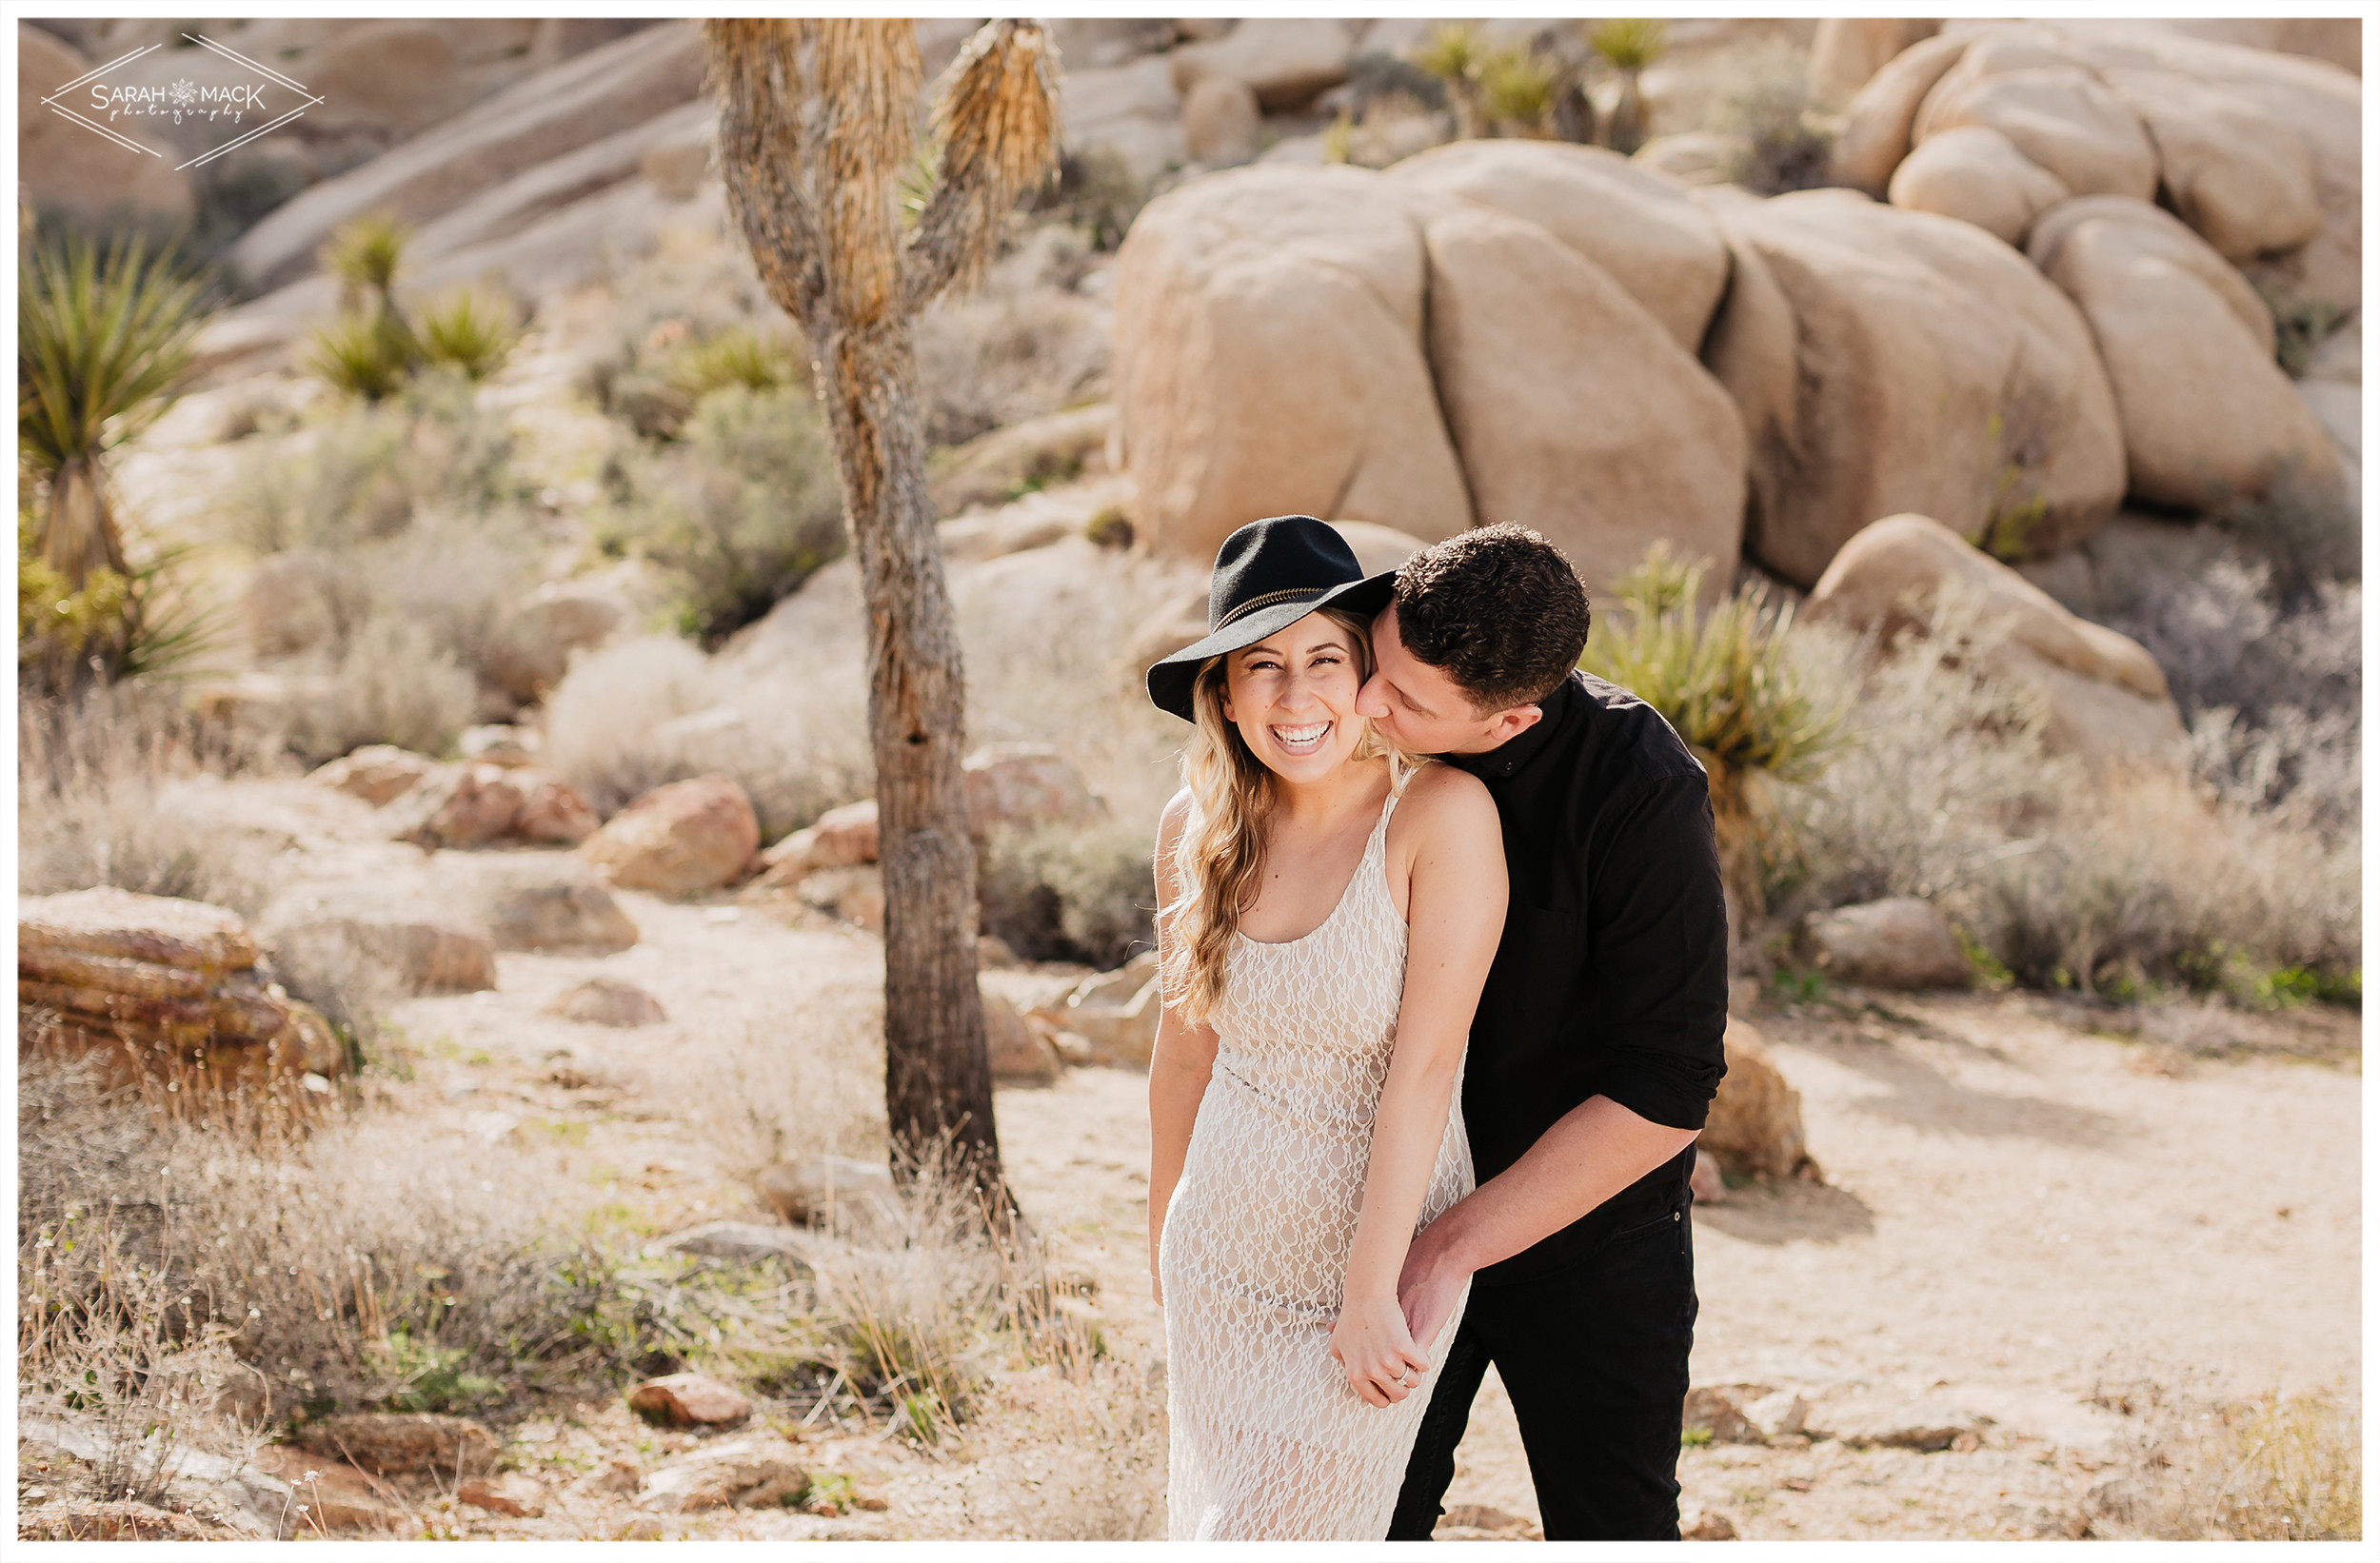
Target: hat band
[1264,601]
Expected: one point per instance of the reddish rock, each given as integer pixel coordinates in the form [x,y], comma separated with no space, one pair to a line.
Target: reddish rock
[686,1400]
[514,1494]
[551,809]
[678,839]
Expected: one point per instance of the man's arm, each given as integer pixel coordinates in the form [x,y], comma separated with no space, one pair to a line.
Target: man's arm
[1660,943]
[1593,1152]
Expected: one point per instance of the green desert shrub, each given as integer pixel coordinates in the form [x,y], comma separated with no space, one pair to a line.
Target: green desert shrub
[739,513]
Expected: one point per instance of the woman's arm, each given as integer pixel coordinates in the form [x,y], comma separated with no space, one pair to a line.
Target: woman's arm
[1454,916]
[1181,1060]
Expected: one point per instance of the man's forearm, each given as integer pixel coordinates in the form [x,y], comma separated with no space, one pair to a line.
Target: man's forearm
[1592,1153]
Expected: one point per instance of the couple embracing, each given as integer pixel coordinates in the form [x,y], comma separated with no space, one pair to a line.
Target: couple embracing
[1444,956]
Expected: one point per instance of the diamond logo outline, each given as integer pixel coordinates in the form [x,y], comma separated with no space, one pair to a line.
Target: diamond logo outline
[182,94]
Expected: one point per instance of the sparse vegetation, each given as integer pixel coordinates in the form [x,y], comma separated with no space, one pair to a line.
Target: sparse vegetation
[1069,892]
[1725,682]
[740,514]
[104,343]
[1782,140]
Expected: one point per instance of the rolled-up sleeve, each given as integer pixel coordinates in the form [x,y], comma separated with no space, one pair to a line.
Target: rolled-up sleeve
[1660,951]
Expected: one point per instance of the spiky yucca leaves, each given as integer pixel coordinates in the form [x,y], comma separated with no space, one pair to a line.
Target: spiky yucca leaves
[1631,43]
[1452,54]
[1724,683]
[102,344]
[817,134]
[471,330]
[366,356]
[365,254]
[1517,88]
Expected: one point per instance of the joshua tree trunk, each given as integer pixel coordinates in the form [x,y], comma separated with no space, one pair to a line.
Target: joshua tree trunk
[817,120]
[1738,840]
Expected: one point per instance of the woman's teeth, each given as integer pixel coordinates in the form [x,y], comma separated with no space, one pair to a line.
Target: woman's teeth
[1303,739]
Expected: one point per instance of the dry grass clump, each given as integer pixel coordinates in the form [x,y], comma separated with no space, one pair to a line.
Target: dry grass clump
[352,1265]
[2281,1467]
[94,806]
[788,1081]
[643,711]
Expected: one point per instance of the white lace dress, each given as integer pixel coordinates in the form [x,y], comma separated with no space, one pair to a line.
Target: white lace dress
[1268,1439]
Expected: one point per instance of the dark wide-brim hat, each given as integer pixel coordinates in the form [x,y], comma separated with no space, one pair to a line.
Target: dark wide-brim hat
[1268,575]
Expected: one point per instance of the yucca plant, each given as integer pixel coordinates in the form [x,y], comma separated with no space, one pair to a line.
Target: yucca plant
[1452,53]
[102,346]
[471,330]
[1631,43]
[1723,680]
[371,349]
[368,356]
[1517,88]
[365,254]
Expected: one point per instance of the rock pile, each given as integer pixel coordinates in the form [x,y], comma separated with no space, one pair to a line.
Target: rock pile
[466,804]
[164,985]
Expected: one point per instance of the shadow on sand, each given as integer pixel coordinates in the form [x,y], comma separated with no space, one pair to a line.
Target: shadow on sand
[1789,1212]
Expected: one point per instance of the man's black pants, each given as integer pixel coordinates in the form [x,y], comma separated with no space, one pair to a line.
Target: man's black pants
[1594,1356]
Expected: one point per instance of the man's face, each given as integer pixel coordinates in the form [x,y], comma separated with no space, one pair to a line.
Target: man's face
[1422,709]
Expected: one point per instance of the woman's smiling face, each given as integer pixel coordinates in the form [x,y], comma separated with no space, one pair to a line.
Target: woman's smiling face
[1292,695]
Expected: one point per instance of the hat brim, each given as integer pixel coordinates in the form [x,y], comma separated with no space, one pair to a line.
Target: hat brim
[1172,679]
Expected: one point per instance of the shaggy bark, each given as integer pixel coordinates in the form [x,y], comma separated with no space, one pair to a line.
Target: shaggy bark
[817,120]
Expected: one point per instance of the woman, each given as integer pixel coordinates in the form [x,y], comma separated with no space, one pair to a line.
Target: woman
[1326,917]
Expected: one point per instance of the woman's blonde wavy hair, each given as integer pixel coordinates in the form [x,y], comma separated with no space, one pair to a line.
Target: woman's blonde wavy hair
[1220,859]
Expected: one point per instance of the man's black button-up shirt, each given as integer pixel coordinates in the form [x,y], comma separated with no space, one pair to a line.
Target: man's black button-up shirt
[1612,977]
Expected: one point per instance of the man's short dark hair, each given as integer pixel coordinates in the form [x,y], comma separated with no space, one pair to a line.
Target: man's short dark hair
[1499,609]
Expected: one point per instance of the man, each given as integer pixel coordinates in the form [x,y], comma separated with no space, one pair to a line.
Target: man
[1596,1050]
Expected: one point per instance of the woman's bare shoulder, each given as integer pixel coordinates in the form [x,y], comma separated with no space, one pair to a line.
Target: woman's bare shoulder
[1440,796]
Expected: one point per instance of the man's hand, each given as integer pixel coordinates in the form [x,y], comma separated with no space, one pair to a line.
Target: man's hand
[1431,1284]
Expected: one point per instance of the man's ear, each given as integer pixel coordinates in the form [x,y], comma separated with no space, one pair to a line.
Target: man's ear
[1510,724]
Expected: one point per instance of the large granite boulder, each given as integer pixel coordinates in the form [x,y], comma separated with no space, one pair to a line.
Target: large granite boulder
[62,164]
[608,88]
[1638,225]
[2104,696]
[1574,409]
[1977,174]
[2208,416]
[1268,344]
[1886,361]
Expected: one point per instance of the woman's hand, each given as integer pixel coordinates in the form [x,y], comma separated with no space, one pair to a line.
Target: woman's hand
[1371,1341]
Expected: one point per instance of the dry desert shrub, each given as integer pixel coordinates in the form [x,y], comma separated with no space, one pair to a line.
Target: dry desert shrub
[651,709]
[1025,345]
[346,1265]
[404,534]
[1941,776]
[1071,891]
[2281,1467]
[1067,1457]
[94,804]
[2102,880]
[788,1081]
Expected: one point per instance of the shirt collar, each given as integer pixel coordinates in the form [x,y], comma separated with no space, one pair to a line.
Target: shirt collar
[1507,758]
